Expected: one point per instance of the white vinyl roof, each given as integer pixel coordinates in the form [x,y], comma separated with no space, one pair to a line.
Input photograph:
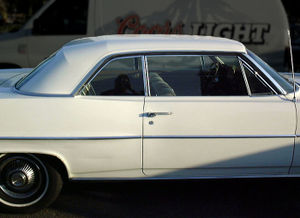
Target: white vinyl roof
[64,71]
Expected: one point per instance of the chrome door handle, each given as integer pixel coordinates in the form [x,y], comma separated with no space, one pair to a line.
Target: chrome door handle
[153,114]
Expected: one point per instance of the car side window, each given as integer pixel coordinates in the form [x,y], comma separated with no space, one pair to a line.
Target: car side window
[256,85]
[122,76]
[196,75]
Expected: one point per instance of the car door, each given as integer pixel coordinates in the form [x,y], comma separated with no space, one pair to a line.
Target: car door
[108,111]
[211,115]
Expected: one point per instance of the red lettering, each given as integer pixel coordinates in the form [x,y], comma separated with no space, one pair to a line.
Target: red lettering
[131,24]
[156,29]
[142,29]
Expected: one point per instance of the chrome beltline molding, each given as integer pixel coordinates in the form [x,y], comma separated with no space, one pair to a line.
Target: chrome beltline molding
[221,136]
[146,137]
[69,138]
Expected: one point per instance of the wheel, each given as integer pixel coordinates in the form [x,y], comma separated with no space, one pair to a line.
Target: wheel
[26,183]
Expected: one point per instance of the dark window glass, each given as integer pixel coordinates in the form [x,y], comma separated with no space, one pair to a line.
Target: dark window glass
[119,77]
[284,83]
[257,87]
[63,18]
[195,76]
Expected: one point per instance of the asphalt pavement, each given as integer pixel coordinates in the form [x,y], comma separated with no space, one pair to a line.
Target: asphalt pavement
[208,198]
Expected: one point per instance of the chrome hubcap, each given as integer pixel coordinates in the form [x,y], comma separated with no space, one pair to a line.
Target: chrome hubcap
[20,176]
[23,180]
[18,179]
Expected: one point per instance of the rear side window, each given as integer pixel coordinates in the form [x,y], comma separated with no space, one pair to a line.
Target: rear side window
[123,76]
[196,75]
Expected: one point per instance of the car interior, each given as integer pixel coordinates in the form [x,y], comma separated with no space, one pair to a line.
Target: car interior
[204,75]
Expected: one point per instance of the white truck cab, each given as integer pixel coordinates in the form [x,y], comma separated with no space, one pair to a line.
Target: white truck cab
[261,25]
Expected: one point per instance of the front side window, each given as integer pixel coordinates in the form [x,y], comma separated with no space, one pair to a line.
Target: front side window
[196,75]
[122,76]
[285,84]
[256,85]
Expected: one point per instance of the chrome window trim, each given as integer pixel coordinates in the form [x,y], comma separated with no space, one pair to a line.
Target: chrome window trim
[145,76]
[262,70]
[147,137]
[247,64]
[182,55]
[109,57]
[99,67]
[255,73]
[245,77]
[201,54]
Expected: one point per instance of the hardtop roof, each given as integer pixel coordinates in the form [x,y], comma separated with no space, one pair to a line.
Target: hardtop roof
[162,42]
[70,65]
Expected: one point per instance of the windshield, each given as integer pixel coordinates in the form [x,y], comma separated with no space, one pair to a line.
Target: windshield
[285,84]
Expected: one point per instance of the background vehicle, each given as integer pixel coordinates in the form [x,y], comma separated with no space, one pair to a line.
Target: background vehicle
[295,31]
[261,25]
[1,19]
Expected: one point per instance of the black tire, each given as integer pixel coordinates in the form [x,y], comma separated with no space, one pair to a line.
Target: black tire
[27,184]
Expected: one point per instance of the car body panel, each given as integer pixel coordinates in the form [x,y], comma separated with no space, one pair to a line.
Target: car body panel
[73,130]
[212,135]
[295,168]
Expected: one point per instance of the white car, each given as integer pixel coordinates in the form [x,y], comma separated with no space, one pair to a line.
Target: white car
[144,107]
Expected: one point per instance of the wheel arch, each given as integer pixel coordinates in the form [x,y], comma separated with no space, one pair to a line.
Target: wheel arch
[55,162]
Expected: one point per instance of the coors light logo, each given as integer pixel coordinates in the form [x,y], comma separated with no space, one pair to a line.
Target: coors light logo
[247,33]
[132,24]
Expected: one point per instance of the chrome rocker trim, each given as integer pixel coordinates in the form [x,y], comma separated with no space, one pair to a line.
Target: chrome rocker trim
[186,178]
